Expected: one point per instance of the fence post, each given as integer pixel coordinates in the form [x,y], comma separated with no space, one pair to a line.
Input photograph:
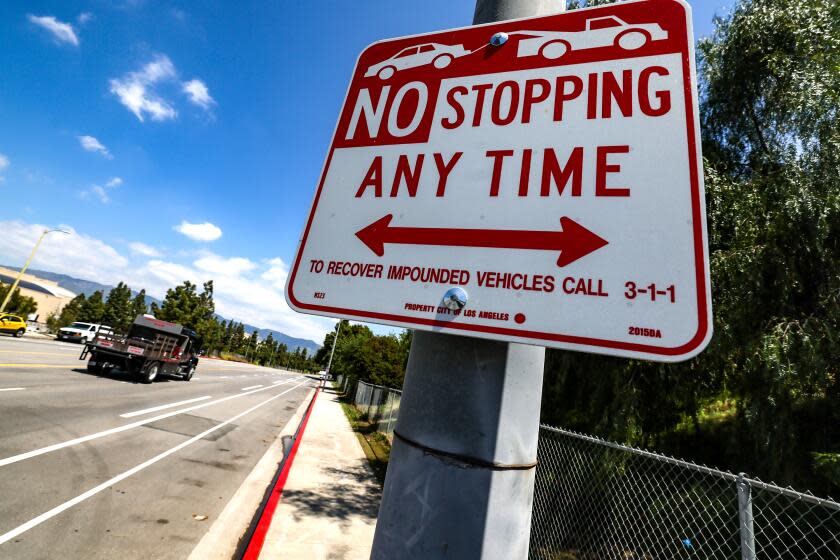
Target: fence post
[745,518]
[391,411]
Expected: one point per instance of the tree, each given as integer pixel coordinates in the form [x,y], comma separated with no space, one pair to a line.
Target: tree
[92,309]
[227,334]
[251,345]
[362,355]
[185,306]
[18,304]
[211,332]
[759,397]
[118,308]
[771,123]
[266,350]
[237,343]
[138,305]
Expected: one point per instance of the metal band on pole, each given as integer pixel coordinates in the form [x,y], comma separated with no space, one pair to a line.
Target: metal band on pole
[471,461]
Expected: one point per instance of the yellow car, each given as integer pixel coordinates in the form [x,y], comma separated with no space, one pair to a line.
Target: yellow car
[12,324]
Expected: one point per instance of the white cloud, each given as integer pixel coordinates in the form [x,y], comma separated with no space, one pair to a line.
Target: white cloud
[199,232]
[136,90]
[276,274]
[61,32]
[215,264]
[244,290]
[100,191]
[76,254]
[143,250]
[84,17]
[198,93]
[91,144]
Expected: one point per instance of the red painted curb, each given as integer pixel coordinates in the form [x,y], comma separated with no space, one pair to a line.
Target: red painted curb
[260,531]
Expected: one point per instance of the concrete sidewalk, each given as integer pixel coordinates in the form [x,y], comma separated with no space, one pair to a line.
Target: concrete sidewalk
[329,504]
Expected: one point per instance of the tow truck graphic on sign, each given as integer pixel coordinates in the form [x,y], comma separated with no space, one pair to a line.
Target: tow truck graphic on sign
[599,32]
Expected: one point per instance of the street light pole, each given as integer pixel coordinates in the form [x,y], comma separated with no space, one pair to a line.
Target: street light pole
[26,265]
[460,481]
[332,352]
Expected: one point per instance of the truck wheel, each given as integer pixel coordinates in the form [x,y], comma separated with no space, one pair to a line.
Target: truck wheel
[189,373]
[19,333]
[94,366]
[150,372]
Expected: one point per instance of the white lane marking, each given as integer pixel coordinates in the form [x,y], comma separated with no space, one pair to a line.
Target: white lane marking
[162,407]
[122,476]
[223,377]
[251,387]
[118,429]
[13,389]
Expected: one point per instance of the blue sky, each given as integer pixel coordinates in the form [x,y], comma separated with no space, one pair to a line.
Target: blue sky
[182,140]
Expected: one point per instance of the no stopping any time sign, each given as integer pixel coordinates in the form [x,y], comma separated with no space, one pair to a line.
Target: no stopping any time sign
[546,188]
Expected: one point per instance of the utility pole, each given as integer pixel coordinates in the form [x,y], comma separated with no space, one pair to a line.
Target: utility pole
[460,480]
[26,265]
[332,352]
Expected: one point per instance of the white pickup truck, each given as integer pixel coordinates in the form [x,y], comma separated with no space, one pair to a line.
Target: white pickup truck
[79,332]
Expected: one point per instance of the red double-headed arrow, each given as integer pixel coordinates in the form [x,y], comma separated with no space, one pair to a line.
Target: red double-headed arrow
[573,242]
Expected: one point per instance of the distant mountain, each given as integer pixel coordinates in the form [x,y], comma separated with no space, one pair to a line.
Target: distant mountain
[87,287]
[75,285]
[290,342]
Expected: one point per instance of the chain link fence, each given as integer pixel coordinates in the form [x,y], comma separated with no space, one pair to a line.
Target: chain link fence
[377,404]
[598,500]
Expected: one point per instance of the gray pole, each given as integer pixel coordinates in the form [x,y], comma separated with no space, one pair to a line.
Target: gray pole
[460,480]
[335,339]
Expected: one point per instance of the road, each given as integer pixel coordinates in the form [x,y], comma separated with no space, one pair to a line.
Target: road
[103,467]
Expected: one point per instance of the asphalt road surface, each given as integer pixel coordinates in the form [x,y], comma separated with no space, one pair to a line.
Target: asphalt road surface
[104,467]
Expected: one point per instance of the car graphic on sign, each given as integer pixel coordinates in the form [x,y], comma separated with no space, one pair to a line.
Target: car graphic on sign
[436,54]
[600,32]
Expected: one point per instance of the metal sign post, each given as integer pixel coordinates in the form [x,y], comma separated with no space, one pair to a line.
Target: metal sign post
[460,480]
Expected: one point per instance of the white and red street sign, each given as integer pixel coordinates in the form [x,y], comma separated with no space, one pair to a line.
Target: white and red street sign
[555,178]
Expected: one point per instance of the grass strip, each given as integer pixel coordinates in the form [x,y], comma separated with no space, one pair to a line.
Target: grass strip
[375,445]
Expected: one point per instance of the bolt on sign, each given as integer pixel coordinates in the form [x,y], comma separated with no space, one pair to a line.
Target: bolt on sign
[537,180]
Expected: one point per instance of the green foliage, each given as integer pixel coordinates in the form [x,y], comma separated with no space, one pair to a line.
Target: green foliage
[92,309]
[118,308]
[828,465]
[185,306]
[138,305]
[771,135]
[362,355]
[18,304]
